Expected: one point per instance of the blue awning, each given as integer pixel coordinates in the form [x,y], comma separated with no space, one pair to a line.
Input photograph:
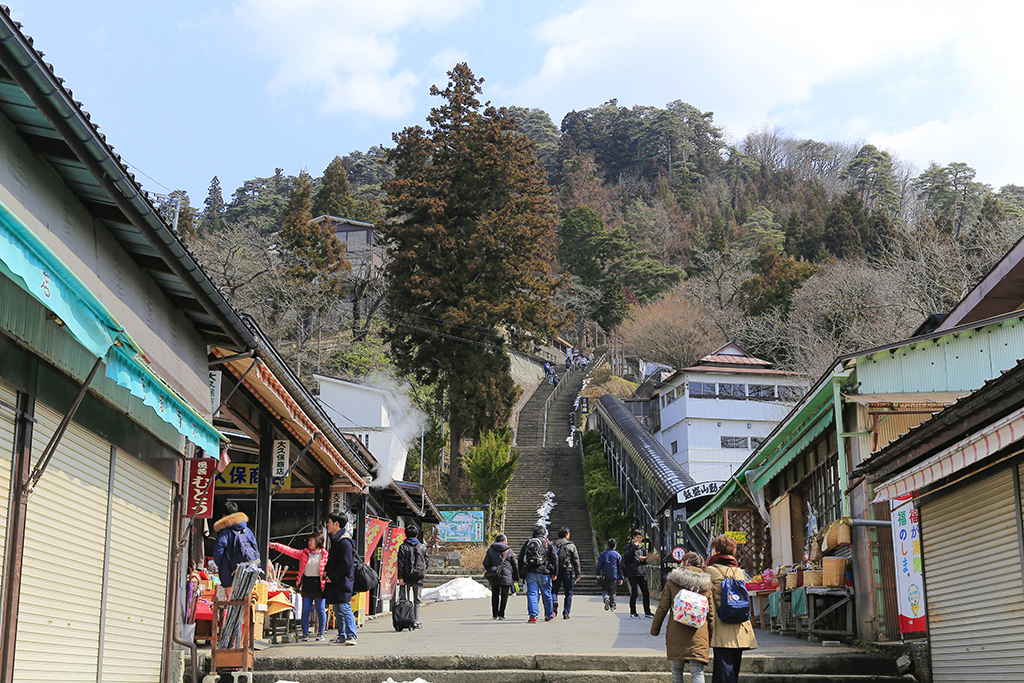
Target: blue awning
[27,261]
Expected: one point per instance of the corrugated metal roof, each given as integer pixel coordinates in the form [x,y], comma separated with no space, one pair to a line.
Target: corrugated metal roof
[930,399]
[733,359]
[740,370]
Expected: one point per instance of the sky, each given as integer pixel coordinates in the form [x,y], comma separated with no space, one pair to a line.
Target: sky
[187,90]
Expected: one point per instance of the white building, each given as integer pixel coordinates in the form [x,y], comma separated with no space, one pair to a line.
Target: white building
[374,416]
[713,414]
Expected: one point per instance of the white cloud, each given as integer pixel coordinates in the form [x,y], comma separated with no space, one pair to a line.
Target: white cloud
[342,56]
[752,62]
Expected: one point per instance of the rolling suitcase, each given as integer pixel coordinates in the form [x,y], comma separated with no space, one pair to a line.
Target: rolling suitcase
[403,615]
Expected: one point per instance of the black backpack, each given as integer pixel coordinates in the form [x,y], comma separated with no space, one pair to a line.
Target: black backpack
[534,555]
[365,579]
[417,563]
[243,547]
[565,556]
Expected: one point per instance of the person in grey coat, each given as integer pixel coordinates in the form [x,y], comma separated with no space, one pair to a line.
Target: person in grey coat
[502,571]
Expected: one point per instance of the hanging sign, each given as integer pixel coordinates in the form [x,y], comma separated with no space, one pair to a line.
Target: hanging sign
[707,488]
[389,564]
[280,455]
[215,383]
[375,531]
[906,546]
[199,494]
[245,475]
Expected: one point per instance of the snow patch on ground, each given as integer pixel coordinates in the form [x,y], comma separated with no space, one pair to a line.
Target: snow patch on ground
[461,588]
[544,511]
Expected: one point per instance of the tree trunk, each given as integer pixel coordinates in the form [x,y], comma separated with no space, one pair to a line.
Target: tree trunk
[455,471]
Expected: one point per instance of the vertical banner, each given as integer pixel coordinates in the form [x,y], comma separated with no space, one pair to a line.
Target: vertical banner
[199,494]
[281,450]
[389,573]
[215,384]
[906,545]
[375,530]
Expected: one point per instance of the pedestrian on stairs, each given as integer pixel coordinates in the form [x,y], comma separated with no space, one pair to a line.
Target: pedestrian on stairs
[539,562]
[611,571]
[635,558]
[412,569]
[569,571]
[502,571]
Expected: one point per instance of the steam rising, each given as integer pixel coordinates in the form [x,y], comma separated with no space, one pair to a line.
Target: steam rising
[406,425]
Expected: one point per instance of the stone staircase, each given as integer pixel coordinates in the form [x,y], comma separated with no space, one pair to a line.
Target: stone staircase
[560,668]
[555,467]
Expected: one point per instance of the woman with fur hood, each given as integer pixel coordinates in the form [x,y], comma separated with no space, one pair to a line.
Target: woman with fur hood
[684,643]
[235,544]
[729,640]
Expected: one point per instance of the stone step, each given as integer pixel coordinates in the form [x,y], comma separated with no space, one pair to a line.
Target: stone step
[541,676]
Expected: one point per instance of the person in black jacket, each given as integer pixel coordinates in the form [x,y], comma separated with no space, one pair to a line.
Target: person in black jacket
[538,559]
[410,580]
[340,574]
[502,571]
[635,558]
[569,570]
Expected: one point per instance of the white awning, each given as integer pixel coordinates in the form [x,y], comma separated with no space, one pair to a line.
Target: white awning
[964,453]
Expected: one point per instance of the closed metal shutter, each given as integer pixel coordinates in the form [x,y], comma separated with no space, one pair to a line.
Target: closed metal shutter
[9,396]
[973,580]
[140,533]
[62,581]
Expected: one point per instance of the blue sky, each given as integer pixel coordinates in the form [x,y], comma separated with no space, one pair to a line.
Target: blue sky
[188,90]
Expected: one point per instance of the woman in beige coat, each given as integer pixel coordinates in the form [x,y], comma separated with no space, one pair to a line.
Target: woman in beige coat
[729,640]
[684,643]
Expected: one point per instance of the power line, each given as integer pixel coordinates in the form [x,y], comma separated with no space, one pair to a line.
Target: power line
[146,174]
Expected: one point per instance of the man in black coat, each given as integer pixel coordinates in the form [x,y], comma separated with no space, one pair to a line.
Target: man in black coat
[412,569]
[569,570]
[539,561]
[635,559]
[340,574]
[502,571]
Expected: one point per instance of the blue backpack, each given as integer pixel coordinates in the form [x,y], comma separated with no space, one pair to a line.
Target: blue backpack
[735,605]
[243,547]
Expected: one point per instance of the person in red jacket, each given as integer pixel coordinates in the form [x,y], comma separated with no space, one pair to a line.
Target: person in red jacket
[312,560]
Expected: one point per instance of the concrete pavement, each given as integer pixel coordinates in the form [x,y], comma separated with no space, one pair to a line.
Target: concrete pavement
[465,627]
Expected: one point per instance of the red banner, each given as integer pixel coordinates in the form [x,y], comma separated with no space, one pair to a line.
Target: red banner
[390,563]
[375,530]
[199,494]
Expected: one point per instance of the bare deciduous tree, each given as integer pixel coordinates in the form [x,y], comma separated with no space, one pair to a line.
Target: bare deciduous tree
[675,330]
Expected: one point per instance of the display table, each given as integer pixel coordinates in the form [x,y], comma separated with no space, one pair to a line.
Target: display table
[829,613]
[759,606]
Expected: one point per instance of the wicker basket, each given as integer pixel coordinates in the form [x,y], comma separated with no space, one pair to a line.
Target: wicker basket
[815,553]
[837,534]
[834,571]
[812,578]
[845,536]
[793,580]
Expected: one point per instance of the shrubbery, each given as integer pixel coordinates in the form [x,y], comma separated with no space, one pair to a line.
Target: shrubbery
[607,514]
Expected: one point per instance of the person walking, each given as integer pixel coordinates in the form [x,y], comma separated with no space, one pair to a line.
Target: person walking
[684,643]
[339,576]
[635,558]
[609,566]
[412,569]
[569,571]
[235,545]
[312,561]
[501,571]
[728,639]
[540,564]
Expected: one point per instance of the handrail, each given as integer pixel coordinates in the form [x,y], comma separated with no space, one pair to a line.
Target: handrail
[547,405]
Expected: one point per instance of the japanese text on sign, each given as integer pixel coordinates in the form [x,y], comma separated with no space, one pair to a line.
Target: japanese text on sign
[707,488]
[280,455]
[199,501]
[241,475]
[906,543]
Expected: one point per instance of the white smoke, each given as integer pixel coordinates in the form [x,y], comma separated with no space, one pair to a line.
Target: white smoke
[407,425]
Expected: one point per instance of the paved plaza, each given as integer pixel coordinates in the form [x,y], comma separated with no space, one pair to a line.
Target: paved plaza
[465,627]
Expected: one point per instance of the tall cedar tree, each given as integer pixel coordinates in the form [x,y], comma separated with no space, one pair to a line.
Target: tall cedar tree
[212,218]
[312,255]
[469,245]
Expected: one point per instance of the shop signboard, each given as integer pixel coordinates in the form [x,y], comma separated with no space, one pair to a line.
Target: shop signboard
[906,544]
[701,490]
[244,475]
[199,500]
[389,561]
[280,456]
[462,526]
[375,531]
[739,536]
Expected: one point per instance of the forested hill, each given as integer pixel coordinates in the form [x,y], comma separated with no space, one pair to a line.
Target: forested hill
[800,249]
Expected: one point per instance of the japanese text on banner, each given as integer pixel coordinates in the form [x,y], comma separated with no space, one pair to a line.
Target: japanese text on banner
[906,543]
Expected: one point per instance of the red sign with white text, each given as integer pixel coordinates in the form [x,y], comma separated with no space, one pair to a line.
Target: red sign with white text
[199,494]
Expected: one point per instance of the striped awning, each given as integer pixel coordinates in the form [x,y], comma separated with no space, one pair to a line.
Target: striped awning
[962,454]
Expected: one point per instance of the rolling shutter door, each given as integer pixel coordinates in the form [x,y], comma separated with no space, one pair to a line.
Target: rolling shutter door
[9,396]
[62,580]
[973,587]
[140,534]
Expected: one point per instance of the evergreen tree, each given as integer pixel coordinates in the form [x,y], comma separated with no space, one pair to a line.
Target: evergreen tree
[212,219]
[333,197]
[469,251]
[311,253]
